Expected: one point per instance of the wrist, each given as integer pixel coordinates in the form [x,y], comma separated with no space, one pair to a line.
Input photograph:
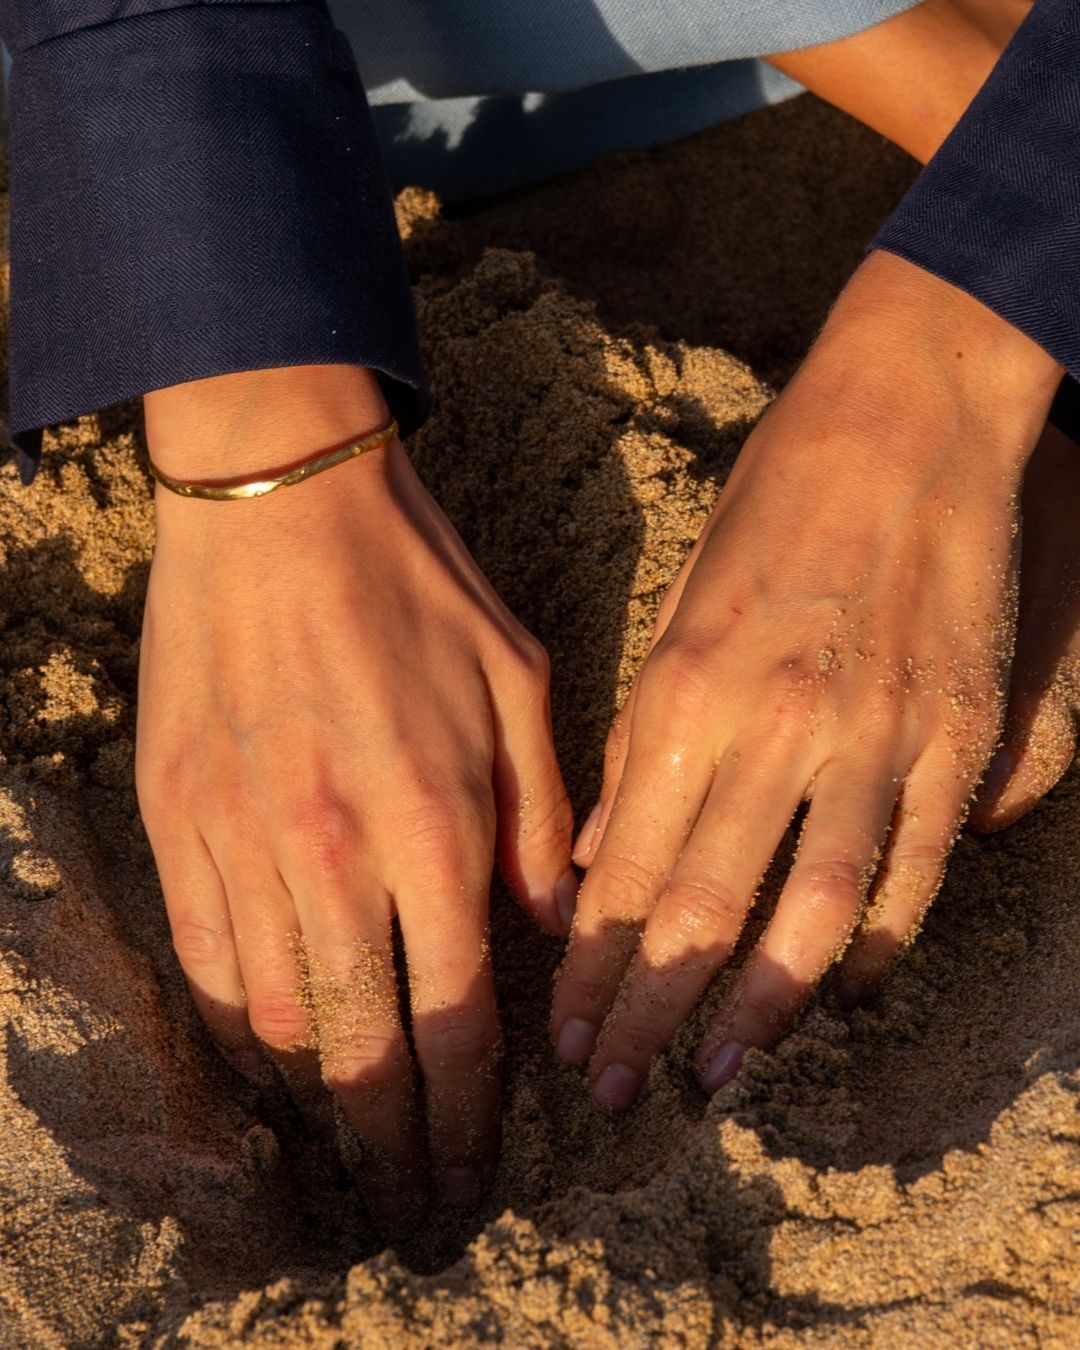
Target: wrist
[905,355]
[256,422]
[350,500]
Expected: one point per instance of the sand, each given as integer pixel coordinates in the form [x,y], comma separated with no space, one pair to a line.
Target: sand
[905,1175]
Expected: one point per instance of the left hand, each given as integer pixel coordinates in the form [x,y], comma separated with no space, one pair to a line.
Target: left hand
[840,634]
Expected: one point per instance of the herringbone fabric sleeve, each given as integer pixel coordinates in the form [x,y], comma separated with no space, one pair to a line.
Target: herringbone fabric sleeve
[196,189]
[996,211]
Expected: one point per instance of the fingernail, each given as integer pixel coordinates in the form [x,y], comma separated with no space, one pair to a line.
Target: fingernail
[617,1087]
[566,889]
[998,772]
[584,839]
[723,1066]
[576,1040]
[461,1186]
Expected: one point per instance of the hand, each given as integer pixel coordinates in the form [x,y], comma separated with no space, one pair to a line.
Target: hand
[338,723]
[839,634]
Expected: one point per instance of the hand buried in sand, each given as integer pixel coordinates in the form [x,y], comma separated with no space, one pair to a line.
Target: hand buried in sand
[840,635]
[1042,722]
[338,723]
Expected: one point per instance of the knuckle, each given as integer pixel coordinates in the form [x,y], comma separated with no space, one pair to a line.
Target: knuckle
[703,904]
[682,677]
[970,722]
[880,710]
[525,662]
[915,865]
[164,787]
[321,829]
[442,825]
[459,1042]
[198,945]
[434,839]
[973,713]
[986,726]
[794,693]
[833,887]
[549,822]
[279,1022]
[627,879]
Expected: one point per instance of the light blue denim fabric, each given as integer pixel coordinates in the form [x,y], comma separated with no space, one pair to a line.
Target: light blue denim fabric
[472,97]
[477,96]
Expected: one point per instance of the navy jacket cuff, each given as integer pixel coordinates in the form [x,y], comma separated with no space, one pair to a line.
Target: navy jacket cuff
[197,191]
[996,212]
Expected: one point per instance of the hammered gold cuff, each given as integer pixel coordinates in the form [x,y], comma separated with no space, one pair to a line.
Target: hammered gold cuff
[259,487]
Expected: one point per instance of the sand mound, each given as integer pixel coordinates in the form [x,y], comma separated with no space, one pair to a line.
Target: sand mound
[902,1176]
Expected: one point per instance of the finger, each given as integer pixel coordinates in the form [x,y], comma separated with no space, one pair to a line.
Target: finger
[535,822]
[592,832]
[442,902]
[699,916]
[618,740]
[663,786]
[267,936]
[1037,749]
[203,939]
[928,819]
[615,750]
[351,993]
[1043,716]
[816,913]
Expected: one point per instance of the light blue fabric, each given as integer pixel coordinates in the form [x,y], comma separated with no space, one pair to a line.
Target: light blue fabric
[477,96]
[475,147]
[436,49]
[472,97]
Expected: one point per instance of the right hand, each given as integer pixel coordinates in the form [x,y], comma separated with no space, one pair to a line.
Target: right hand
[840,635]
[339,721]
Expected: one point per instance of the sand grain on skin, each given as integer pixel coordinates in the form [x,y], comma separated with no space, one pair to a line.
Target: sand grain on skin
[903,1176]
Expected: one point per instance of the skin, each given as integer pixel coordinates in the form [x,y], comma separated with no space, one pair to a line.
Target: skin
[305,779]
[910,79]
[866,677]
[847,648]
[341,725]
[1043,716]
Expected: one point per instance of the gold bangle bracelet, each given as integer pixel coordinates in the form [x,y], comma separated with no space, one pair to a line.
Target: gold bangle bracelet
[259,487]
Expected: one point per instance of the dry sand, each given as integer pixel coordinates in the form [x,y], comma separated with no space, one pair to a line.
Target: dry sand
[908,1175]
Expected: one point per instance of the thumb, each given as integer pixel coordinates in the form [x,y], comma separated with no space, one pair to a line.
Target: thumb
[1038,746]
[535,820]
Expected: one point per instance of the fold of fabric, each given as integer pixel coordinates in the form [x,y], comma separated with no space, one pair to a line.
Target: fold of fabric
[195,191]
[412,50]
[198,189]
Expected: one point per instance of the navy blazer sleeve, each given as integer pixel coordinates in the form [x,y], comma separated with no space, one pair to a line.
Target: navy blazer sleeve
[996,212]
[196,189]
